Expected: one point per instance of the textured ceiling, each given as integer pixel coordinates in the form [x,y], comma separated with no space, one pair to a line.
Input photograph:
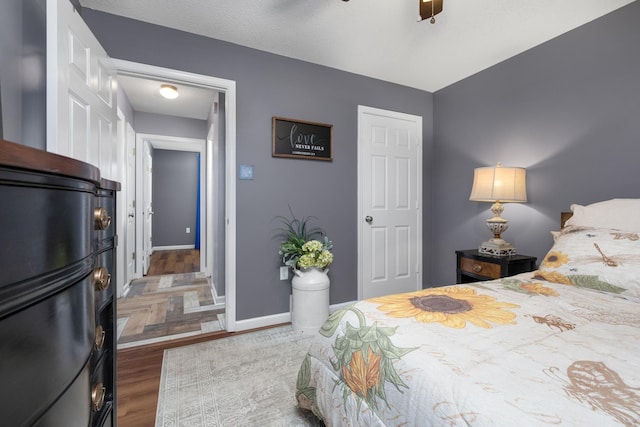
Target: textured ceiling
[375,38]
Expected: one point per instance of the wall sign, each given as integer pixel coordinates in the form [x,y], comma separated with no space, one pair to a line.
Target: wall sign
[300,139]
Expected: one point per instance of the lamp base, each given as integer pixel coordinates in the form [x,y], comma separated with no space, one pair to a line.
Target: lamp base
[497,247]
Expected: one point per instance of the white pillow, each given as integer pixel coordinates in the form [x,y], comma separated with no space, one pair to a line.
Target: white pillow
[618,214]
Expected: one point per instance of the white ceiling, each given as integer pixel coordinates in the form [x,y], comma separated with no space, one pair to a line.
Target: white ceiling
[375,38]
[144,95]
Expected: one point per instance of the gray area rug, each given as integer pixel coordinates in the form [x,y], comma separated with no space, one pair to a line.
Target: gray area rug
[244,380]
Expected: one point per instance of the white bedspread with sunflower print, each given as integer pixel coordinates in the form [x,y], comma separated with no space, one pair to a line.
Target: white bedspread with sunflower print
[517,351]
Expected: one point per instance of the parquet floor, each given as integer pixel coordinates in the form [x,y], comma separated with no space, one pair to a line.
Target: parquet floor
[170,306]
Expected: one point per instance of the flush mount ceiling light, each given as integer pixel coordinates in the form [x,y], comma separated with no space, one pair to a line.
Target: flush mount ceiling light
[429,9]
[169,91]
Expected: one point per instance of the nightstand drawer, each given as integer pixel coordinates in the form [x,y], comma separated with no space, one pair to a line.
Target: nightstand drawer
[480,268]
[472,266]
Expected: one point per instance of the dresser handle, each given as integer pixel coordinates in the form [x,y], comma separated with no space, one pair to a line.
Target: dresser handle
[101,278]
[99,340]
[101,219]
[477,268]
[98,393]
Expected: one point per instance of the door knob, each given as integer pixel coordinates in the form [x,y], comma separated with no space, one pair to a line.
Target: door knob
[369,219]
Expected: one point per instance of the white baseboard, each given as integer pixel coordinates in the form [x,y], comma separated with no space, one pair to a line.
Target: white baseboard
[218,300]
[172,248]
[276,319]
[260,322]
[125,290]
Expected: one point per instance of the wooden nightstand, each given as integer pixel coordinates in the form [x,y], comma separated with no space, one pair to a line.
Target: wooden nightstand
[474,267]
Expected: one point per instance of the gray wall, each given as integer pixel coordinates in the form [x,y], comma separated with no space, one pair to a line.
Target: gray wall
[270,85]
[159,124]
[567,110]
[174,186]
[174,196]
[23,71]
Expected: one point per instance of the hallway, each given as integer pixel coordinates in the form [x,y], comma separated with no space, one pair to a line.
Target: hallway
[174,303]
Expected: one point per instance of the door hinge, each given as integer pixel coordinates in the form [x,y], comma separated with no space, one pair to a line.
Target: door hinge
[133,255]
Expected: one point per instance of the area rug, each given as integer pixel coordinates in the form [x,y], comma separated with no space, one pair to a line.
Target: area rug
[243,380]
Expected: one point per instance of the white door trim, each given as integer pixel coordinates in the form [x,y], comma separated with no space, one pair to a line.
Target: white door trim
[164,142]
[228,87]
[362,110]
[121,203]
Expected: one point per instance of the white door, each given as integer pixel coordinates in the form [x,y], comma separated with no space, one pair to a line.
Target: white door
[147,177]
[81,91]
[389,202]
[130,251]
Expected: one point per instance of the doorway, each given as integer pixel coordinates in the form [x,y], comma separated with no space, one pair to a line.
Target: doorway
[191,153]
[227,88]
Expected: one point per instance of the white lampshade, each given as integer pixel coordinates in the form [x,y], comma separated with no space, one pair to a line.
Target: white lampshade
[504,184]
[496,185]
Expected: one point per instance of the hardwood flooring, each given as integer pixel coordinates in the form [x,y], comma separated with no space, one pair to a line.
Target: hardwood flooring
[138,382]
[174,262]
[160,301]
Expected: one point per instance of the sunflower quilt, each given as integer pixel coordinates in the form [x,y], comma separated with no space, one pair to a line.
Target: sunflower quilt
[514,351]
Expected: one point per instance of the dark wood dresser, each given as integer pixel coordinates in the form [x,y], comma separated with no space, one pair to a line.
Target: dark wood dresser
[57,284]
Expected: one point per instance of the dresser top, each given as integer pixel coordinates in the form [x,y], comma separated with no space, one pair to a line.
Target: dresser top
[27,158]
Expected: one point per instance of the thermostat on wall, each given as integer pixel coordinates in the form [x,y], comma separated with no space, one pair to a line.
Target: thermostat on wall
[246,172]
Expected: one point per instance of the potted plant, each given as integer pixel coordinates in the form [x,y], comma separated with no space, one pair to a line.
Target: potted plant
[304,246]
[307,251]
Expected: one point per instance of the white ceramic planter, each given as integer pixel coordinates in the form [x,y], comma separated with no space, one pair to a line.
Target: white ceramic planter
[310,306]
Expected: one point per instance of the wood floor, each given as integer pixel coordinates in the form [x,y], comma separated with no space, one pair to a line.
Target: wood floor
[138,382]
[167,307]
[174,262]
[139,367]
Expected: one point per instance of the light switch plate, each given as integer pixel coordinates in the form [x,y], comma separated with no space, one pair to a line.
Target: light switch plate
[246,172]
[284,273]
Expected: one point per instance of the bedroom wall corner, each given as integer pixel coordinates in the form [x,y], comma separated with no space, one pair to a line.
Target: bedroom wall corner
[567,110]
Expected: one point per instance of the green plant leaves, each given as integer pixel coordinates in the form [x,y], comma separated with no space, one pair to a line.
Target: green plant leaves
[296,232]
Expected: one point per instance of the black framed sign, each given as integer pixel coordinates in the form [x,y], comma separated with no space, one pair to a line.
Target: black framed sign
[300,139]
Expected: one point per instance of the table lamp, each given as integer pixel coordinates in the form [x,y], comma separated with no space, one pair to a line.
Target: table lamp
[497,185]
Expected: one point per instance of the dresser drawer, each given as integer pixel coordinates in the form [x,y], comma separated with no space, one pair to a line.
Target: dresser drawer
[103,284]
[480,268]
[104,213]
[73,408]
[43,229]
[103,340]
[102,392]
[43,349]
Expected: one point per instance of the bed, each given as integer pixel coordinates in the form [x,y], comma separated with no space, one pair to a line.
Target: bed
[557,346]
